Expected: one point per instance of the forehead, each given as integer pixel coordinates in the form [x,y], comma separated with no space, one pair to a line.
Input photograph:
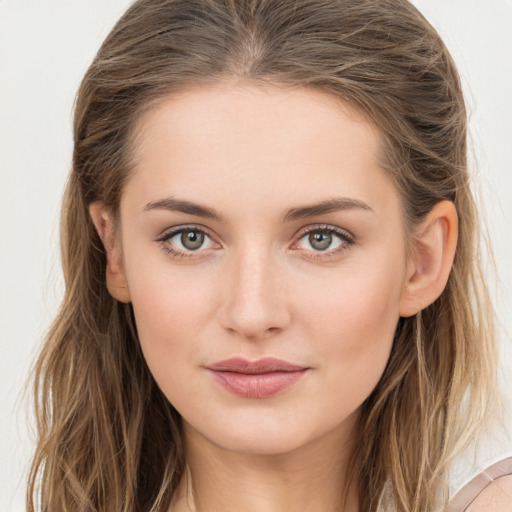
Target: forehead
[257,143]
[240,109]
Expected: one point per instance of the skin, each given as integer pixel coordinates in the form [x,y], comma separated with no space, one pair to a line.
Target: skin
[258,287]
[496,497]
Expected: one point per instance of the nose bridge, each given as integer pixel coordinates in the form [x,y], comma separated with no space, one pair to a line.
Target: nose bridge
[254,303]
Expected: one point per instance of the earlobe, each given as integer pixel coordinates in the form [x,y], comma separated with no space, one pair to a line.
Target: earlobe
[433,254]
[115,276]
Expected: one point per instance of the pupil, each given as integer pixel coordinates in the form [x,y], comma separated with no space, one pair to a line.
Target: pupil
[192,240]
[320,241]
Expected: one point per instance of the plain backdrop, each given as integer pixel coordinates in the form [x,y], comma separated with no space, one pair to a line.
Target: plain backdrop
[46,46]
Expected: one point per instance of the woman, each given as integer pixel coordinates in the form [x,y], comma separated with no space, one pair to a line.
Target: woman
[273,296]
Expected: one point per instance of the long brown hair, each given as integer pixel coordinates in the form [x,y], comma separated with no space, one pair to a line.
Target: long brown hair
[108,438]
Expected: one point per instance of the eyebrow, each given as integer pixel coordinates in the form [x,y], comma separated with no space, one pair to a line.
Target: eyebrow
[334,204]
[179,205]
[327,206]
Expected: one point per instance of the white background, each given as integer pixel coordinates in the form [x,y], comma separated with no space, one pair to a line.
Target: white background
[46,46]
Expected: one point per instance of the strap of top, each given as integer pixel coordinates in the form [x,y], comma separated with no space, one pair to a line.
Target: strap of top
[463,499]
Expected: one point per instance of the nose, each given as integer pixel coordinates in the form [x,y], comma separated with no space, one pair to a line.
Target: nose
[255,302]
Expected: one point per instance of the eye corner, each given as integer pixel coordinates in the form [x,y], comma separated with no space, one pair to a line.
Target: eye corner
[179,250]
[345,240]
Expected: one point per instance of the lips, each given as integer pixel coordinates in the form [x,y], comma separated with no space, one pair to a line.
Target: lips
[256,379]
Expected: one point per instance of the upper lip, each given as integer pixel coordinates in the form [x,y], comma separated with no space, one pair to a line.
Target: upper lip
[265,365]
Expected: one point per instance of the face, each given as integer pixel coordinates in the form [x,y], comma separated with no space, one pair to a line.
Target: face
[259,224]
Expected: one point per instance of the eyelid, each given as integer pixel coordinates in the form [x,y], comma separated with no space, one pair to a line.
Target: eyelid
[176,230]
[343,233]
[347,238]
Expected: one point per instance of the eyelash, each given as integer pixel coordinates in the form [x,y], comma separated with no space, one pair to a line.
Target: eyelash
[178,254]
[346,238]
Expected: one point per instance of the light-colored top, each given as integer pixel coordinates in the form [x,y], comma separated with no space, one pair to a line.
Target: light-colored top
[183,500]
[468,494]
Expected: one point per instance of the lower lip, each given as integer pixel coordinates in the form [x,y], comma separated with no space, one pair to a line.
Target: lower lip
[260,385]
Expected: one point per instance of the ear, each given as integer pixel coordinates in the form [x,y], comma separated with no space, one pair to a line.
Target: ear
[432,258]
[115,276]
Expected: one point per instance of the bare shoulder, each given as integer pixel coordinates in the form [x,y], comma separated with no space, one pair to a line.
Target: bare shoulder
[496,497]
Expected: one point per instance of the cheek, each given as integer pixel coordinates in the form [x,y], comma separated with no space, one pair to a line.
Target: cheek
[355,322]
[171,309]
[360,305]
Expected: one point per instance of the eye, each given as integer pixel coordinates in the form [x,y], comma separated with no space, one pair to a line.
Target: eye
[325,239]
[183,241]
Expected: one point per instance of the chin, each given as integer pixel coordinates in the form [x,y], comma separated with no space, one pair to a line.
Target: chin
[262,444]
[261,436]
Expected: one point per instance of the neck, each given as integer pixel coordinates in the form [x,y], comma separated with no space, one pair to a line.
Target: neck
[307,479]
